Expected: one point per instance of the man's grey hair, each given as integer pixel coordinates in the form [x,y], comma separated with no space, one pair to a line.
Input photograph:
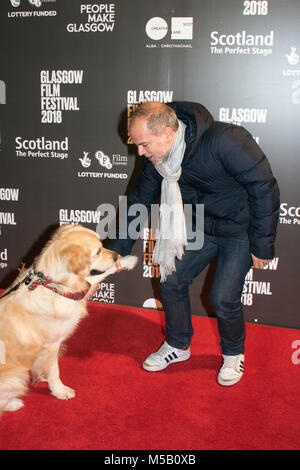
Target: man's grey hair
[158,116]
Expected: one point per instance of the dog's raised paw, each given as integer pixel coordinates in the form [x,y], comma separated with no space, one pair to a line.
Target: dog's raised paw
[128,262]
[63,392]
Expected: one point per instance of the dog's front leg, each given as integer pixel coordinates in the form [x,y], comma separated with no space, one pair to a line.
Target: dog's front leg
[46,368]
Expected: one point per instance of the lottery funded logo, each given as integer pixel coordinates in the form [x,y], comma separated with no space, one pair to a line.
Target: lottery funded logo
[37,10]
[105,162]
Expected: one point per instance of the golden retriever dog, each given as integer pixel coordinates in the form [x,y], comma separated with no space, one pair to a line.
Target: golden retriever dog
[45,304]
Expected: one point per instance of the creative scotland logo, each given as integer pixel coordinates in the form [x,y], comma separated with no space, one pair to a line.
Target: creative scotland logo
[178,29]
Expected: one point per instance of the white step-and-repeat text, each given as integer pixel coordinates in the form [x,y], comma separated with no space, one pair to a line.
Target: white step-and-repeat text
[72,72]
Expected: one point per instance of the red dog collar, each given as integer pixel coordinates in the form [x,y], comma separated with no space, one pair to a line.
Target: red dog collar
[41,281]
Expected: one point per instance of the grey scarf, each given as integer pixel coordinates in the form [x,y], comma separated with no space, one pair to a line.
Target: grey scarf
[172,230]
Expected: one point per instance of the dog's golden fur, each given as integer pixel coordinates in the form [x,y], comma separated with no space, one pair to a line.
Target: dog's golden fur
[34,323]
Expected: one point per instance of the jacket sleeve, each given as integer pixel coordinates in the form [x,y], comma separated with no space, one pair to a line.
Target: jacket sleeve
[243,159]
[145,192]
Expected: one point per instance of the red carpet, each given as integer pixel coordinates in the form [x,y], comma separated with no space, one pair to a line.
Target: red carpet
[119,406]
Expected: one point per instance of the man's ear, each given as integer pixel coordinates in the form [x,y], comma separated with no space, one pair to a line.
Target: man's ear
[169,133]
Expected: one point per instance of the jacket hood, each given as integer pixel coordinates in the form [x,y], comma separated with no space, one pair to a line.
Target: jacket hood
[195,116]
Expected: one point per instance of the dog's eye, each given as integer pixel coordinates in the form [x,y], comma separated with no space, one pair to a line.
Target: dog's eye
[99,251]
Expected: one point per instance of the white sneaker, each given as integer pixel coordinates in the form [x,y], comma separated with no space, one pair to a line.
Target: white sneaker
[165,356]
[232,370]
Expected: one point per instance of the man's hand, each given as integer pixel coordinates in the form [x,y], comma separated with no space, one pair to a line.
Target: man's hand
[259,263]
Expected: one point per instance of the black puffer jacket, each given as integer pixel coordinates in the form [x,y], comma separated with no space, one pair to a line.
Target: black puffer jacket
[224,169]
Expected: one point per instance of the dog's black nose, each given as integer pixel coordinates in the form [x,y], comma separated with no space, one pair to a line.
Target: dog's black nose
[116,257]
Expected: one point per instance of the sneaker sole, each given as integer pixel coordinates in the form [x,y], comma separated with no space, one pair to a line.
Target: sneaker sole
[156,368]
[228,383]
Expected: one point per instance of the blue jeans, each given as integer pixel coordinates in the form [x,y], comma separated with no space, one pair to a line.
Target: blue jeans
[234,261]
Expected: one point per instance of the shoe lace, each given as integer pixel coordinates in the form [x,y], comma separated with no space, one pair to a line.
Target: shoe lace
[164,350]
[231,362]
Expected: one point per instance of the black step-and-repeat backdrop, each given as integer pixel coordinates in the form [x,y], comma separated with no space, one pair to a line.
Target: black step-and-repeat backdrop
[72,72]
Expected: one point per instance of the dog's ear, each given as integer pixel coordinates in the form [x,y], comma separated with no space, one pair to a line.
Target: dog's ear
[78,259]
